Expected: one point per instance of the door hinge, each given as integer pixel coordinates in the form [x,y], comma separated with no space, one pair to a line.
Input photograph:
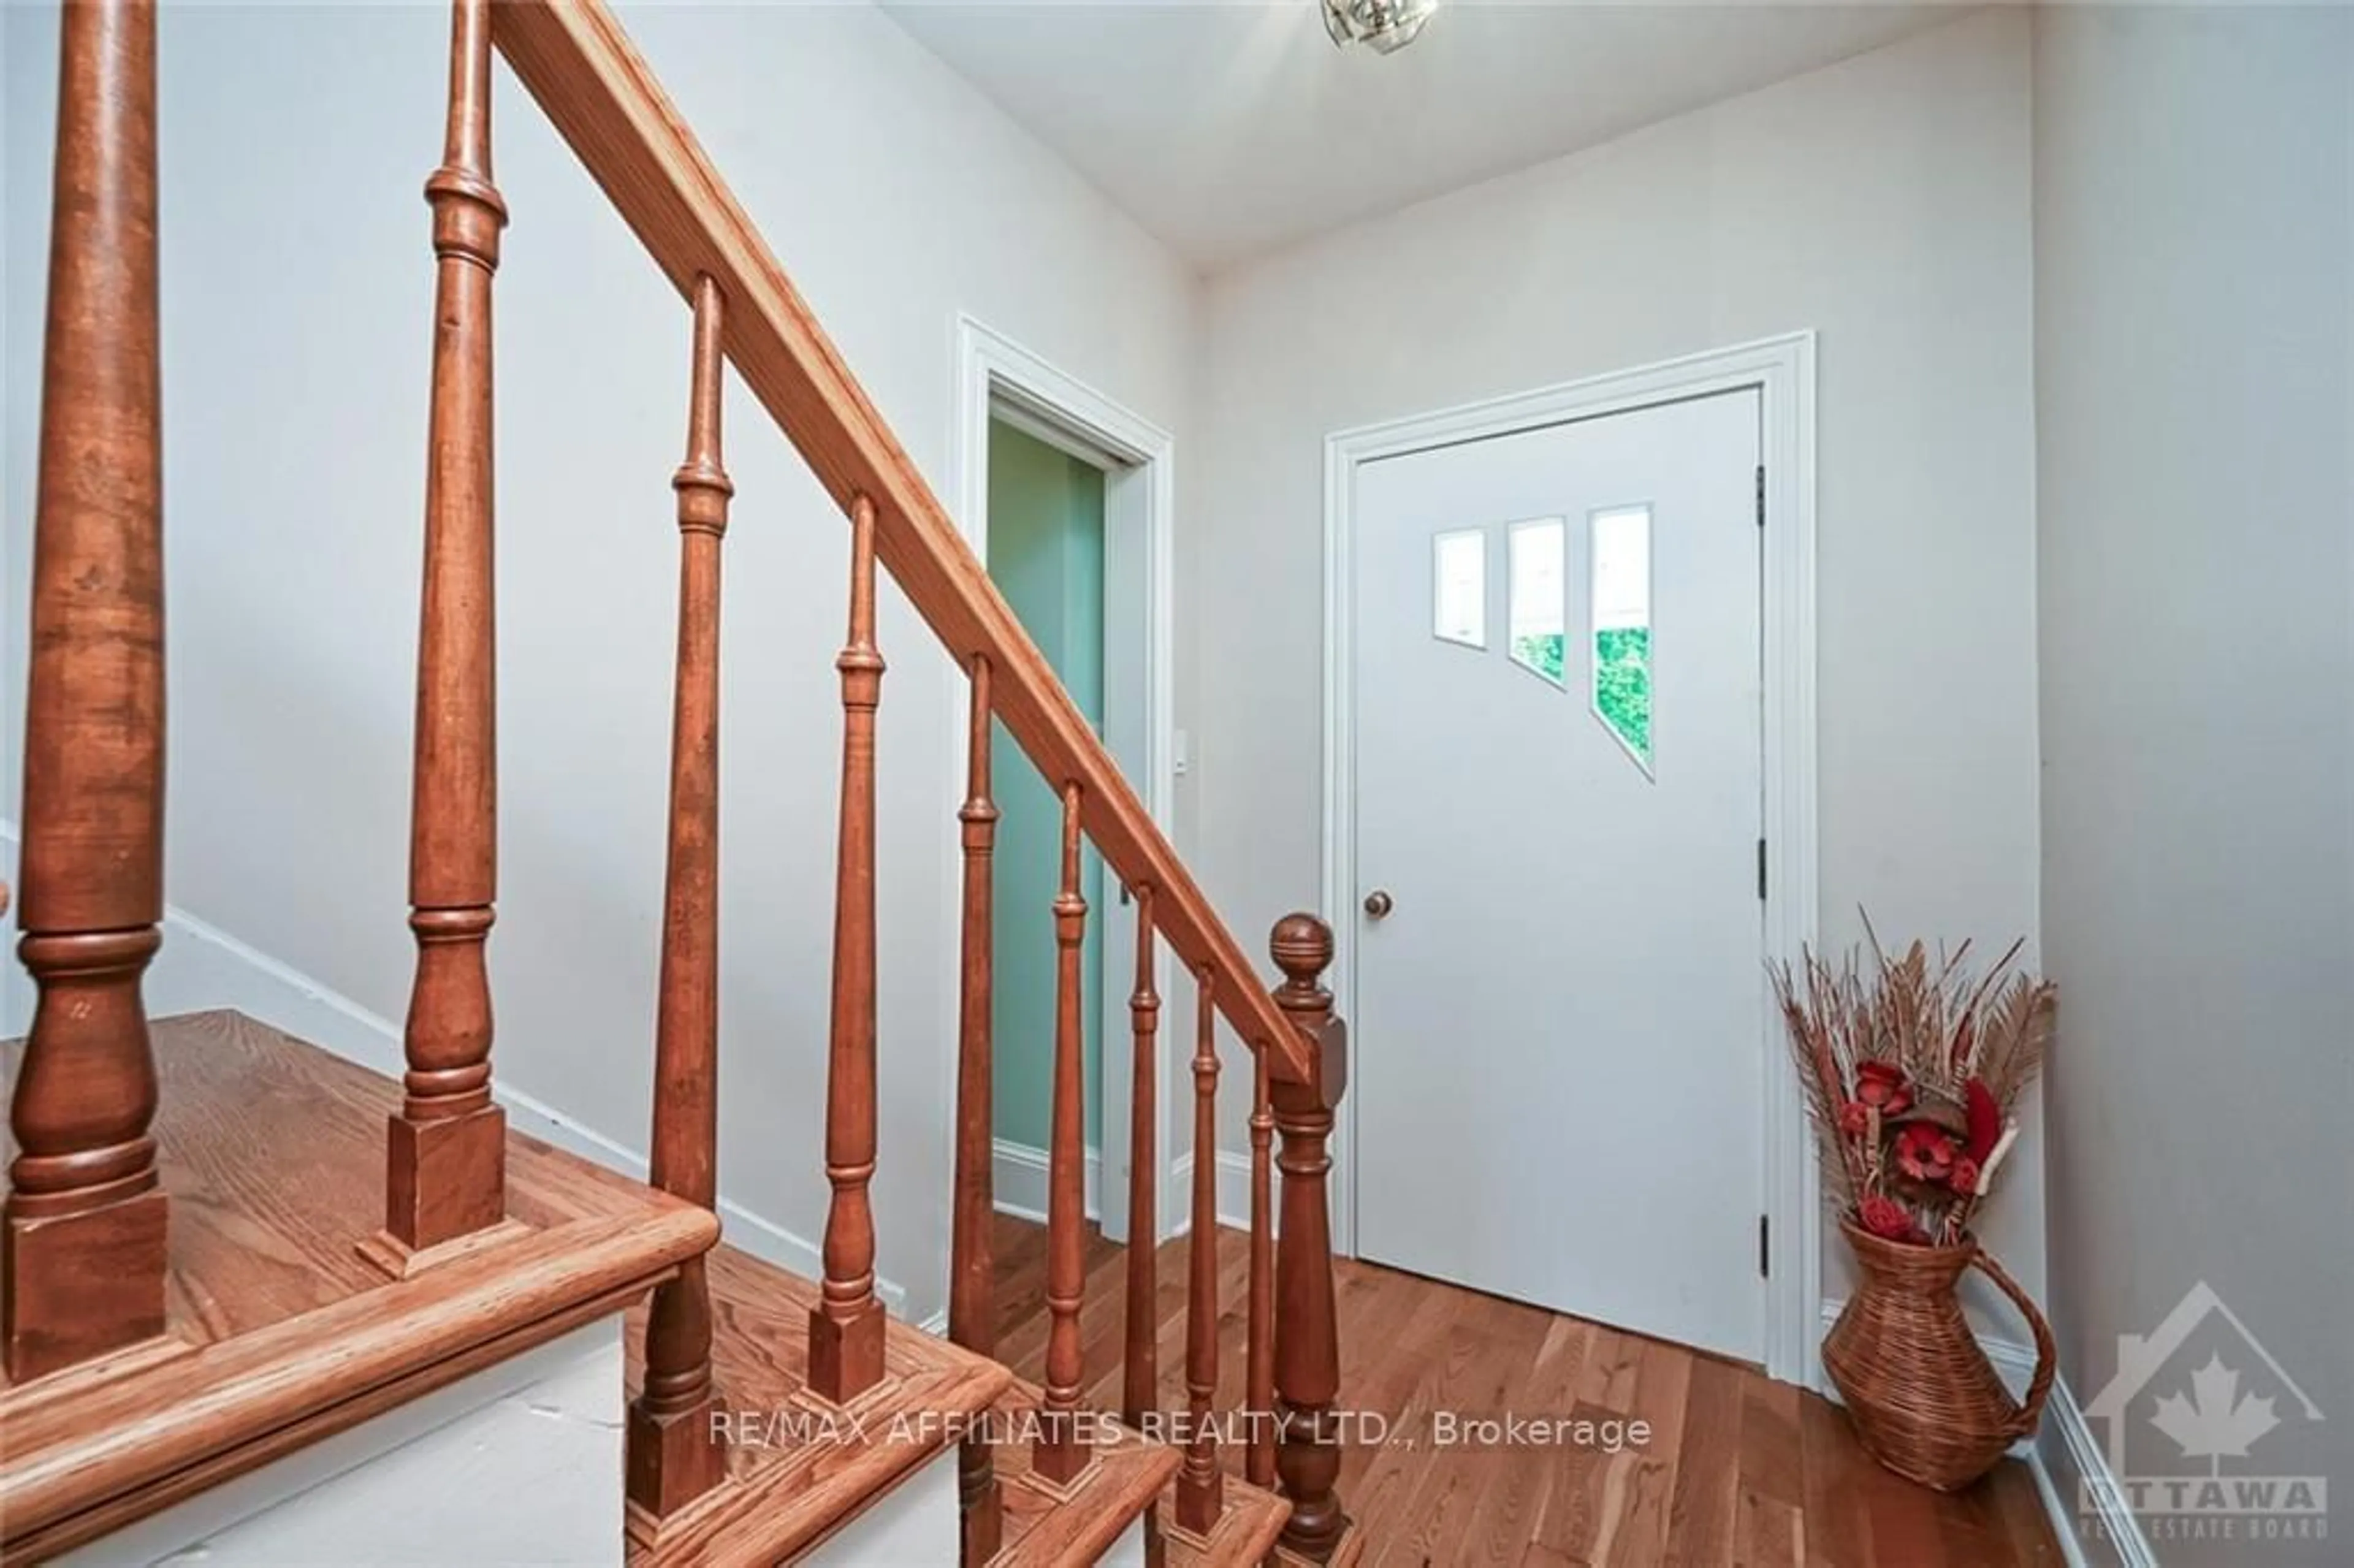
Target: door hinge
[1761,495]
[1761,869]
[1764,1247]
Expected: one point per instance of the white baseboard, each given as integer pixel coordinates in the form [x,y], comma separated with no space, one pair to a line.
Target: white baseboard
[1017,1177]
[2065,1461]
[201,967]
[762,1237]
[2069,1466]
[1018,1187]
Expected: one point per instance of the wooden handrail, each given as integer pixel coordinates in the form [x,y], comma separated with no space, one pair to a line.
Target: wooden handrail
[576,61]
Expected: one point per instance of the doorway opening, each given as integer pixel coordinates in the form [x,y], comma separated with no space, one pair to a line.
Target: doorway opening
[1065,497]
[1047,557]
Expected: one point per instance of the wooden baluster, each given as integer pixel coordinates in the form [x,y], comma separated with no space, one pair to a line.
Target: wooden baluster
[1258,1345]
[1061,1453]
[1201,1484]
[446,1160]
[674,1453]
[847,1325]
[1307,1328]
[1144,1173]
[972,1302]
[81,1270]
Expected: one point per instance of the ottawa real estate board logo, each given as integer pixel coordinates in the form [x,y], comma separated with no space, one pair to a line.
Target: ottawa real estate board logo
[2204,1430]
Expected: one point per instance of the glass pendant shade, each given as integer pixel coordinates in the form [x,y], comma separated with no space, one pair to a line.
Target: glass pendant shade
[1387,25]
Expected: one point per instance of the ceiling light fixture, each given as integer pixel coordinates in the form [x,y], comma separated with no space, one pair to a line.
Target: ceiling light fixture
[1388,26]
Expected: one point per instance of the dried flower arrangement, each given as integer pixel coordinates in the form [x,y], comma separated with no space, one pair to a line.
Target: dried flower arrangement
[1911,1074]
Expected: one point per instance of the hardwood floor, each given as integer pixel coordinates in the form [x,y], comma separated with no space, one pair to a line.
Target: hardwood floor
[1738,1469]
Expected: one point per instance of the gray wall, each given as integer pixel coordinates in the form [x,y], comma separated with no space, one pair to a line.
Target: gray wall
[2194,251]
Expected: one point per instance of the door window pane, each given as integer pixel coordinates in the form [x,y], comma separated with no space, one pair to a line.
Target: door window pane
[1458,570]
[1622,627]
[1540,605]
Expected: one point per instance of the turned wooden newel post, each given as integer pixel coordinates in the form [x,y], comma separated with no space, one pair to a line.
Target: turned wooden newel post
[1307,1330]
[446,1163]
[82,1262]
[675,1453]
[847,1325]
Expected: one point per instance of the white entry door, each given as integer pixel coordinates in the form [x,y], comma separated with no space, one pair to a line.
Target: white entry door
[1560,1032]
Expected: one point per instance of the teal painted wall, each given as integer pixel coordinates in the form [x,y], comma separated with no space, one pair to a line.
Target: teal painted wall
[1046,555]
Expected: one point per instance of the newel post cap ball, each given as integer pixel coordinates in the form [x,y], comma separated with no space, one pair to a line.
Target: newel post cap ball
[1302,945]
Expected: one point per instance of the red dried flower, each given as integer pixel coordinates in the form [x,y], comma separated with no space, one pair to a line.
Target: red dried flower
[1882,1085]
[1985,1119]
[1924,1151]
[1885,1217]
[1966,1176]
[1855,1118]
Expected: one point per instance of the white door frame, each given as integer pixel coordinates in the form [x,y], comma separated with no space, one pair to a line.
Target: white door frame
[1783,370]
[997,377]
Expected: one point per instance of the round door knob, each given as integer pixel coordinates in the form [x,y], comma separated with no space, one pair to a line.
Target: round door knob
[1378,903]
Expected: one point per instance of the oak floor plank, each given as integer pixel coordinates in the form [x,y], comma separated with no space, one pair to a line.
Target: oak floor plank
[1640,1479]
[1507,1513]
[1707,1493]
[2021,1508]
[1771,1458]
[1484,1363]
[1839,1534]
[1770,1526]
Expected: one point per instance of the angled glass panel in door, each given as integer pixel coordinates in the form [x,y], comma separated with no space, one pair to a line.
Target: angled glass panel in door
[1622,627]
[1459,587]
[1539,603]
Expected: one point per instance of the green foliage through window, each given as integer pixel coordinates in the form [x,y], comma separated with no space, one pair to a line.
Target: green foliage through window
[1548,655]
[1622,685]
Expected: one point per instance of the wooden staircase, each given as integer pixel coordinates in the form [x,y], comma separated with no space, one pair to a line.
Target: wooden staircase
[279,1333]
[222,1245]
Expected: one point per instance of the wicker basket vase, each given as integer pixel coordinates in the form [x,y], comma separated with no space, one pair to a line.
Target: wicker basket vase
[1924,1399]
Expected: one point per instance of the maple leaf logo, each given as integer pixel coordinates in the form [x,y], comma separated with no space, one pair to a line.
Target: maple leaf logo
[2216,1419]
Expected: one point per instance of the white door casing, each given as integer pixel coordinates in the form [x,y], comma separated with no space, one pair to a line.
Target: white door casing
[1781,372]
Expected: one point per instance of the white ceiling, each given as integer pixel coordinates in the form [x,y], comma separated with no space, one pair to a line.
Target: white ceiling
[1231,129]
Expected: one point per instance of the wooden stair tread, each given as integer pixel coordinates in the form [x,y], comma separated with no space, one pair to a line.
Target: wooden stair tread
[272,1152]
[783,1497]
[1045,1530]
[1245,1531]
